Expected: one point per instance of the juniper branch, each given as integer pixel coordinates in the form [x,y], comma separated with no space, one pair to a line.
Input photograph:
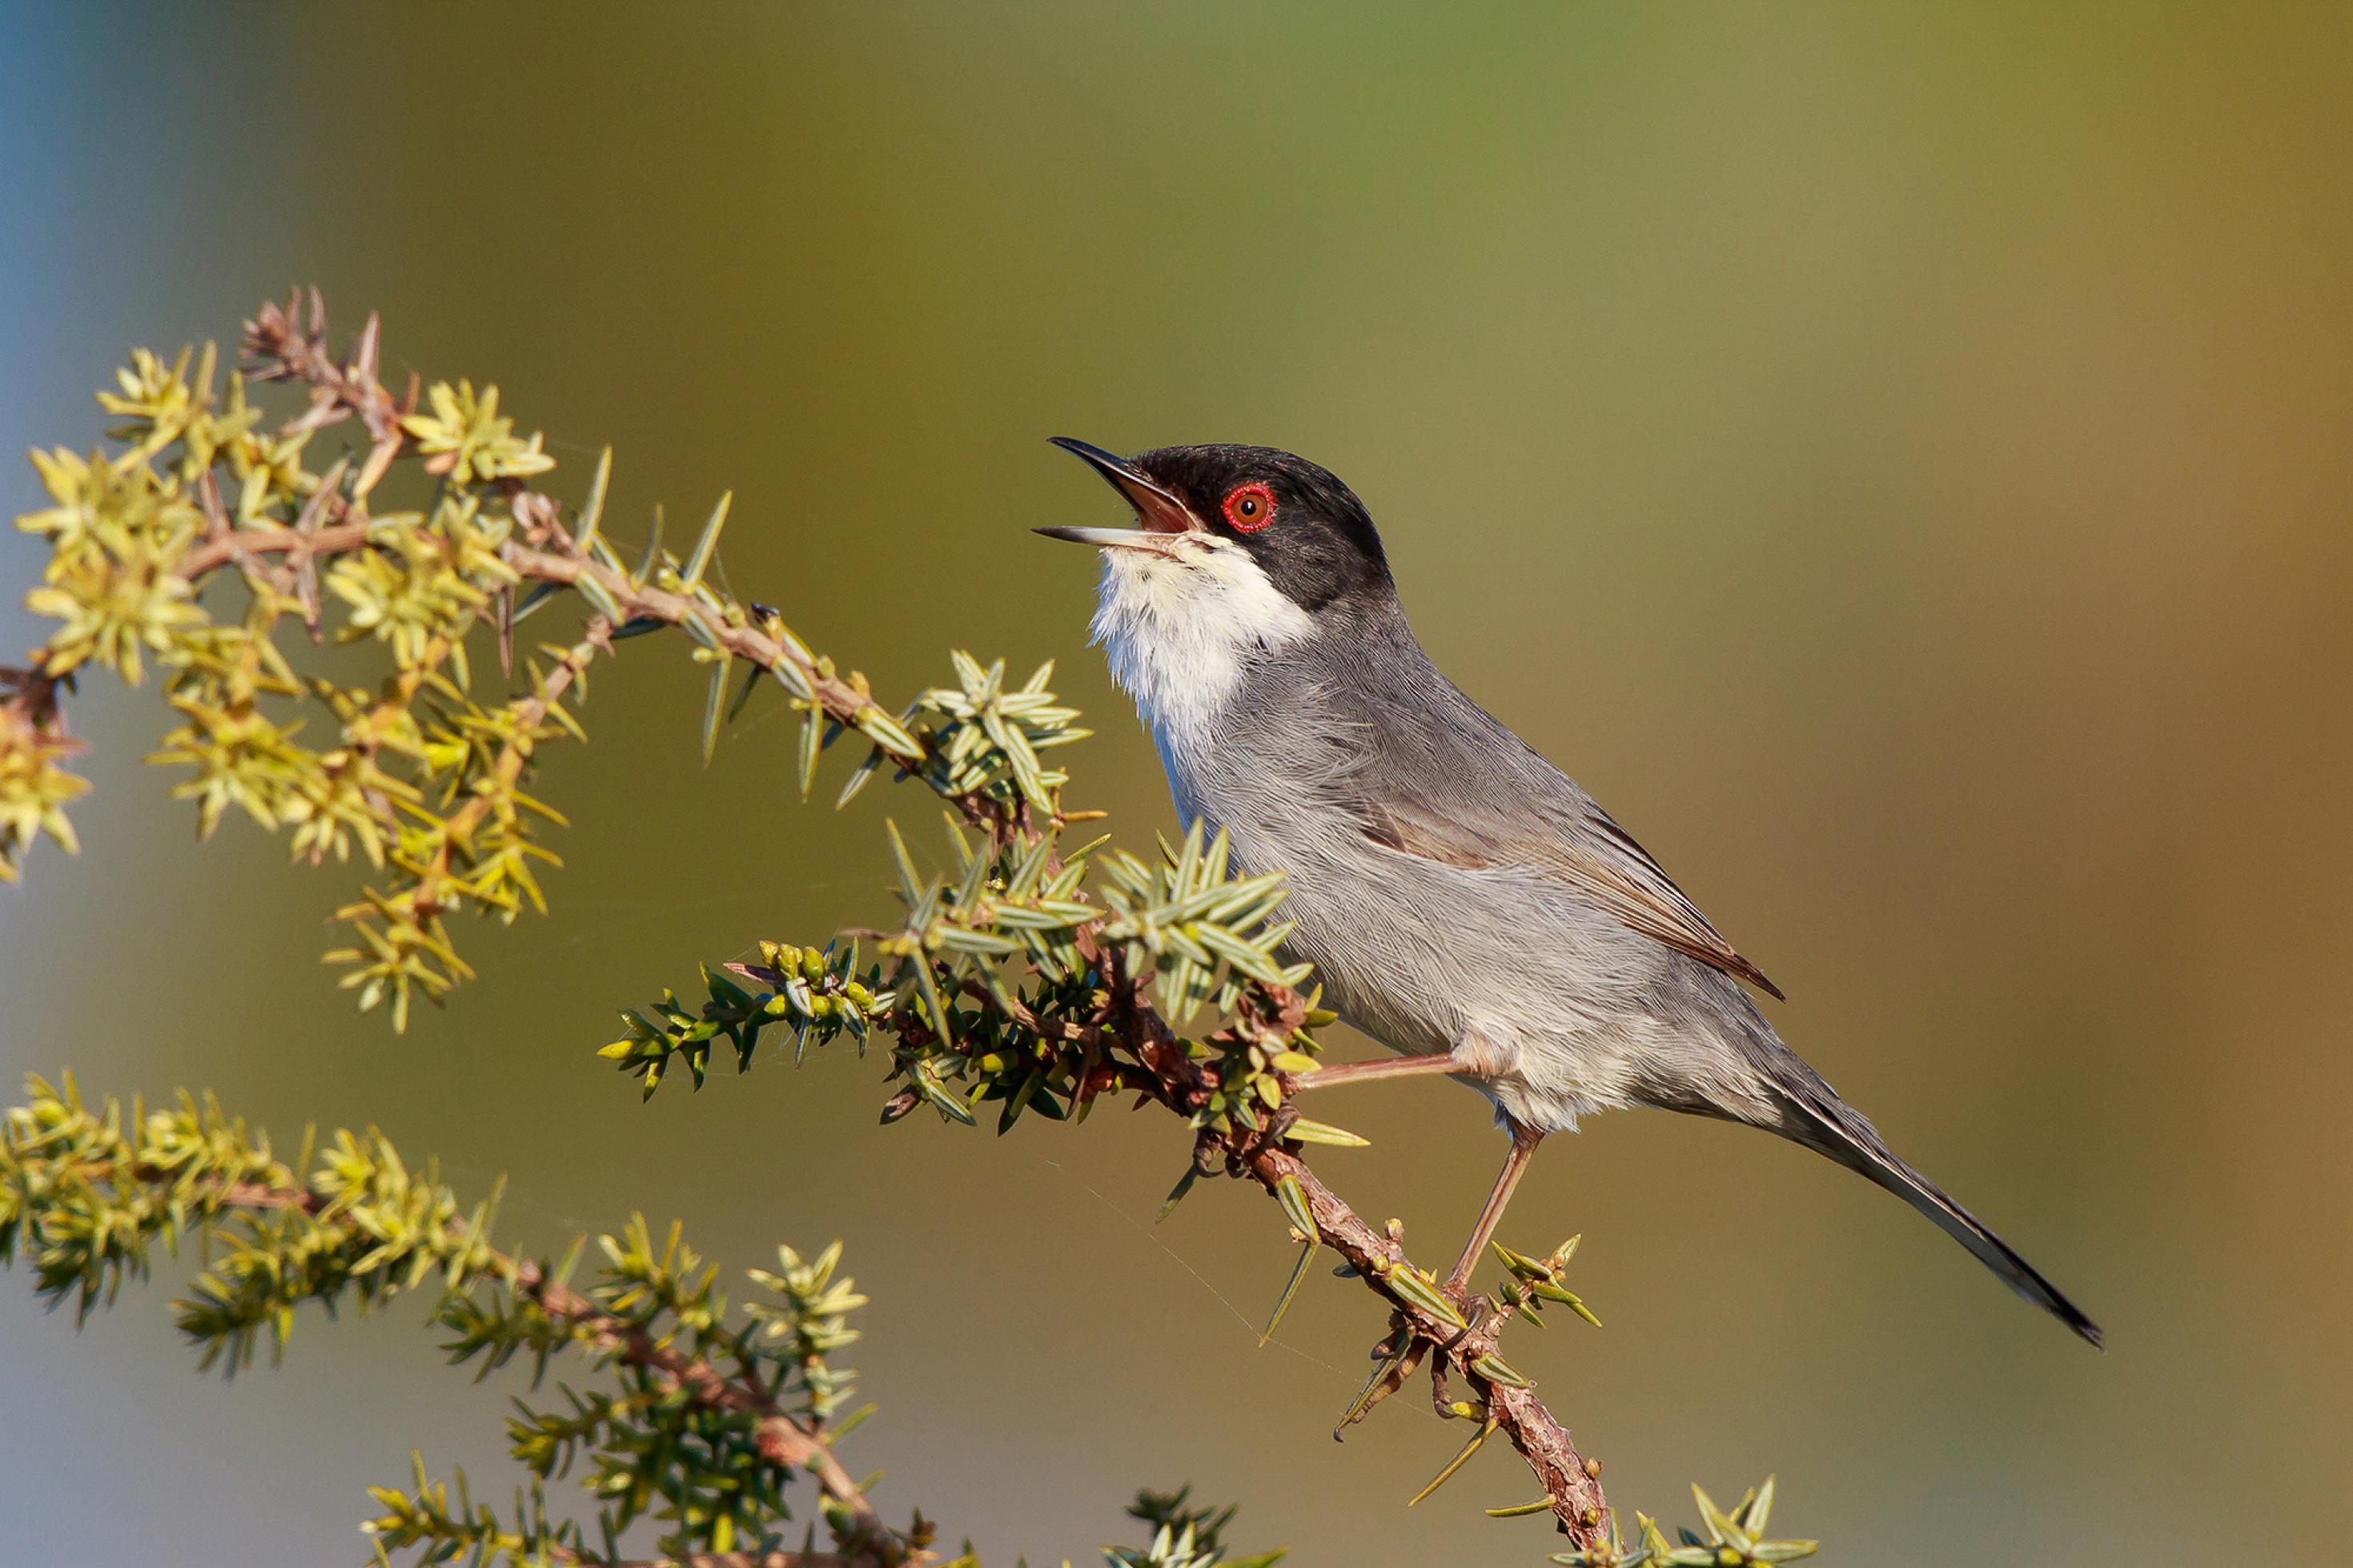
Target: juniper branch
[1012,979]
[1115,1039]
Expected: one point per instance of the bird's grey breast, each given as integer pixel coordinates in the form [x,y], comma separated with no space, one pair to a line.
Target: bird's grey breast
[1285,772]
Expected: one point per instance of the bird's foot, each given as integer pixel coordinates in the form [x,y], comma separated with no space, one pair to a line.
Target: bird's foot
[1366,1072]
[1401,1352]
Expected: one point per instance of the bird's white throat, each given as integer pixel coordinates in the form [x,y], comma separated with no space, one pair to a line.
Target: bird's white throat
[1179,631]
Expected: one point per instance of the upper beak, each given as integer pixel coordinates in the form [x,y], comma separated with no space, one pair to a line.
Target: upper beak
[1162,515]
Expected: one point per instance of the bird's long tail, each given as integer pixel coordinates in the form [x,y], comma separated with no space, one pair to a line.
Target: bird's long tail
[1818,1119]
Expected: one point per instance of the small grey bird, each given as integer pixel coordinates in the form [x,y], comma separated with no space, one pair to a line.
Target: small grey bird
[1463,901]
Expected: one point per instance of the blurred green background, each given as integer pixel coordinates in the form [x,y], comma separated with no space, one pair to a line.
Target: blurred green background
[1895,457]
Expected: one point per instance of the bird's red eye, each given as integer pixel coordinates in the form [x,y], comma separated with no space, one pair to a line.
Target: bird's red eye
[1250,507]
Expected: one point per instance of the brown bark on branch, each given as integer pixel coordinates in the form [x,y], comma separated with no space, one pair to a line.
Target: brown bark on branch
[1571,1482]
[1567,1479]
[542,551]
[783,1439]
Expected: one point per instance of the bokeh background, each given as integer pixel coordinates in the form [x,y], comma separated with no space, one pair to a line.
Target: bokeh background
[1895,457]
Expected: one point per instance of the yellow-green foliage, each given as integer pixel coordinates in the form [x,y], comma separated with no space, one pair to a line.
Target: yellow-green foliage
[34,787]
[218,544]
[701,1417]
[423,779]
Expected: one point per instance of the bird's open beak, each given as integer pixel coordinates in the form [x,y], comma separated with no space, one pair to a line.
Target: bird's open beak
[1163,517]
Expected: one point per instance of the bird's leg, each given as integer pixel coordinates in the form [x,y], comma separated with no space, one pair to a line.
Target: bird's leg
[1365,1072]
[1524,1144]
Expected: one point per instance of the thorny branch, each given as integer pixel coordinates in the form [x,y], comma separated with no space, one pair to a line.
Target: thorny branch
[282,347]
[1462,1331]
[1463,1340]
[785,1439]
[1092,1020]
[782,1437]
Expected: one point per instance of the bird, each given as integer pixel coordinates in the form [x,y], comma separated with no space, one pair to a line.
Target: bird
[1462,900]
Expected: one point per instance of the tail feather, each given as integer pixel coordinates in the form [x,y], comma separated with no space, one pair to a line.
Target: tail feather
[1828,1125]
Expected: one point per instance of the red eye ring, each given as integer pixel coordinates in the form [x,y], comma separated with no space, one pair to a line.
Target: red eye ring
[1250,507]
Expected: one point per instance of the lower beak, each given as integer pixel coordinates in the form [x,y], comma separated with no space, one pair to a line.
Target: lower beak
[1163,518]
[1112,538]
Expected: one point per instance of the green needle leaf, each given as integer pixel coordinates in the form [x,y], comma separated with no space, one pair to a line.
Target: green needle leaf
[812,733]
[1521,1510]
[1298,1274]
[700,561]
[1308,1132]
[1413,1286]
[593,513]
[1176,1193]
[1293,1199]
[744,694]
[714,707]
[653,551]
[1486,1430]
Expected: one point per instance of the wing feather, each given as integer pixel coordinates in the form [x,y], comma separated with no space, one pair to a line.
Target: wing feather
[1606,865]
[1441,779]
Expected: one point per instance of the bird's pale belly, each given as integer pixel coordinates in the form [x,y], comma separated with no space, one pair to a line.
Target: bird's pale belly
[1553,1012]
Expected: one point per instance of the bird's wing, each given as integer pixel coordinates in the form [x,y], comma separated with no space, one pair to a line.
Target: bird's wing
[1442,780]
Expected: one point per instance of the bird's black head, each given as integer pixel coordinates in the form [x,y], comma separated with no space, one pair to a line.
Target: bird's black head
[1305,530]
